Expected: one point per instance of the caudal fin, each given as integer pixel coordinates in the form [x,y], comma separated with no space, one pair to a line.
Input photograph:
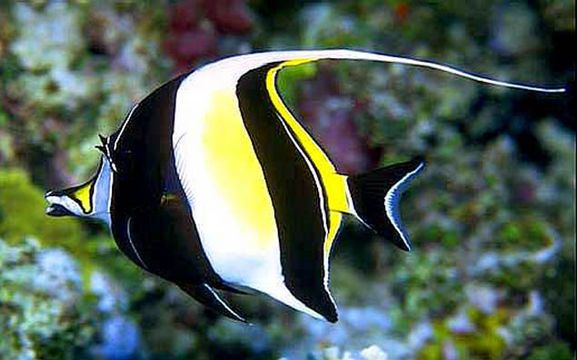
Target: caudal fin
[375,196]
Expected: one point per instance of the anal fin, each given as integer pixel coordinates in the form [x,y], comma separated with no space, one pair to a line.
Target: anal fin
[204,294]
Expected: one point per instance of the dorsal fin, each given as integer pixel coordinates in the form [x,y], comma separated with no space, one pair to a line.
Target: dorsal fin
[297,57]
[106,149]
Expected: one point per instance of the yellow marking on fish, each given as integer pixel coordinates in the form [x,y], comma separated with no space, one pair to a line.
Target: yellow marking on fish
[83,197]
[338,204]
[335,218]
[233,165]
[337,184]
[334,186]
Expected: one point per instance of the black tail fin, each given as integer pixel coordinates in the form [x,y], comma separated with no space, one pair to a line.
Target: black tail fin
[376,196]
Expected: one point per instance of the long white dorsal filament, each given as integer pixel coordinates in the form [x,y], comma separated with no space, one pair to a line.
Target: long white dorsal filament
[362,55]
[451,70]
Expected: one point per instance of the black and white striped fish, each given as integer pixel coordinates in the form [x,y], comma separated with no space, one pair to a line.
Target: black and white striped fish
[212,183]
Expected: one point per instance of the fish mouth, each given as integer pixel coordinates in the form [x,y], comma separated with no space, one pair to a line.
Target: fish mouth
[54,208]
[57,210]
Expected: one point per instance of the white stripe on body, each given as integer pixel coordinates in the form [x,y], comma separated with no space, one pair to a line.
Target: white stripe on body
[230,245]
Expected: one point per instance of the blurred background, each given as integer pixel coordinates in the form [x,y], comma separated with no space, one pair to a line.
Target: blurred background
[492,274]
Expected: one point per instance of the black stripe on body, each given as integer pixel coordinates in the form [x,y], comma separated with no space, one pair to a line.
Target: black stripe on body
[293,191]
[163,237]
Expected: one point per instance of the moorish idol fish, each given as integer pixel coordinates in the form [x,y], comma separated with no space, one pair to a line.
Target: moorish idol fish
[213,184]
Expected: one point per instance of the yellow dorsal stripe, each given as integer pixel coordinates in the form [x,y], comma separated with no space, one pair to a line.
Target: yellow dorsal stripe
[335,219]
[316,154]
[333,183]
[336,187]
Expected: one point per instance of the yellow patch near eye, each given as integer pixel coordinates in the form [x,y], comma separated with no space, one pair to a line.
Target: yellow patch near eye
[83,196]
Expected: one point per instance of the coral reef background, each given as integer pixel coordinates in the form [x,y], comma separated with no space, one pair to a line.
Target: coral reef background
[493,216]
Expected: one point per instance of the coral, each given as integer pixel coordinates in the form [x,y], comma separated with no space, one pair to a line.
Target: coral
[195,26]
[43,311]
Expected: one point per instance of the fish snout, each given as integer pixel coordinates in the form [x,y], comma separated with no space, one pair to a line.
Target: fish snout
[54,208]
[57,210]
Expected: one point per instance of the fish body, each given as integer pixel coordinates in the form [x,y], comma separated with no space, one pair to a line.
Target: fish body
[212,183]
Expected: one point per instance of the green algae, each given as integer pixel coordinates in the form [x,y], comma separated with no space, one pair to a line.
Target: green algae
[22,214]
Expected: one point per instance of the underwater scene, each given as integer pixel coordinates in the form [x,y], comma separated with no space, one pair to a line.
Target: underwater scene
[491,215]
